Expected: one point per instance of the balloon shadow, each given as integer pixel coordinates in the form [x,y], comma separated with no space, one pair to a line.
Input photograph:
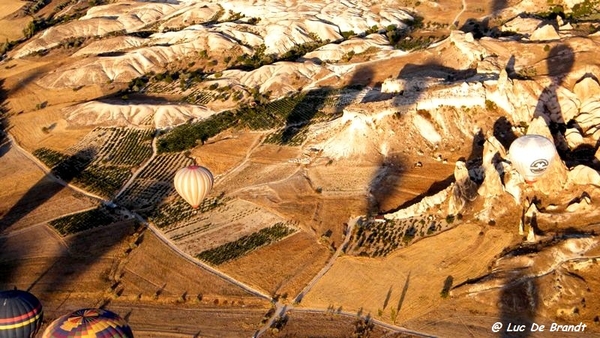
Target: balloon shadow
[559,62]
[4,144]
[47,187]
[385,183]
[518,303]
[42,191]
[519,297]
[307,109]
[414,79]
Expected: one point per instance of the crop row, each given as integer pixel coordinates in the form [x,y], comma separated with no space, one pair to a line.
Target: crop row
[170,214]
[49,157]
[82,221]
[102,179]
[154,183]
[103,160]
[117,146]
[245,244]
[129,147]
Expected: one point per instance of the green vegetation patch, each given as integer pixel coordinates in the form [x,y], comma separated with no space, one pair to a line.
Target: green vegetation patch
[291,113]
[82,221]
[189,135]
[244,245]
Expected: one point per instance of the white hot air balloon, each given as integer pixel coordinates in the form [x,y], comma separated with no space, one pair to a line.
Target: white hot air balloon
[531,155]
[193,184]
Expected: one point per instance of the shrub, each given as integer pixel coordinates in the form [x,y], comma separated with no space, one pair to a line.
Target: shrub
[447,286]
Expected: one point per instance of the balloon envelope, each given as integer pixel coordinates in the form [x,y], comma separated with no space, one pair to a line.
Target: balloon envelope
[193,183]
[531,155]
[89,323]
[20,314]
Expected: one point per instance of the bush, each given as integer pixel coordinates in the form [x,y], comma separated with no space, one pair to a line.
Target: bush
[348,34]
[447,286]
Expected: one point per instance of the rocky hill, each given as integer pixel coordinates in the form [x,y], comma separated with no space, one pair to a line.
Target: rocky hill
[311,114]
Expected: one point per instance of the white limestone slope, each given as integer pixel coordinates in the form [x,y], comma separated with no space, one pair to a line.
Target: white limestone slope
[281,26]
[128,16]
[125,114]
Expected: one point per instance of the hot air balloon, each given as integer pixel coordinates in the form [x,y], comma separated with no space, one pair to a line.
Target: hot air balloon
[193,183]
[89,323]
[20,314]
[531,155]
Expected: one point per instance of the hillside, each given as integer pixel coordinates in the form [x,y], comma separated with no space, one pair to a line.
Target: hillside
[360,150]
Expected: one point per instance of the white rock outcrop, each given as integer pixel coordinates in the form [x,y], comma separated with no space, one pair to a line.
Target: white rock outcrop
[123,114]
[463,191]
[545,33]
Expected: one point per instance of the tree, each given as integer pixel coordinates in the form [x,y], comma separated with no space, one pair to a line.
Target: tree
[447,286]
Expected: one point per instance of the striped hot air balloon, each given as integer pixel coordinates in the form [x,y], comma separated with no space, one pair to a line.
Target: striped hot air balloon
[193,183]
[93,323]
[20,314]
[531,155]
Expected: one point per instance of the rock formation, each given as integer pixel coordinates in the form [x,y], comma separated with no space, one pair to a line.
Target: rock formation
[464,189]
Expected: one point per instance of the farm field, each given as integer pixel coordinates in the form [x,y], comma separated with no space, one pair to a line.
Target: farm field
[330,324]
[296,259]
[28,197]
[156,289]
[225,152]
[187,321]
[364,282]
[363,185]
[153,266]
[222,225]
[103,160]
[12,25]
[153,184]
[45,128]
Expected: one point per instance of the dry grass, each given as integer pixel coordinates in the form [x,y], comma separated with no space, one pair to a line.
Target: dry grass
[12,25]
[39,198]
[153,266]
[225,151]
[28,131]
[323,325]
[98,259]
[284,267]
[364,283]
[31,243]
[147,320]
